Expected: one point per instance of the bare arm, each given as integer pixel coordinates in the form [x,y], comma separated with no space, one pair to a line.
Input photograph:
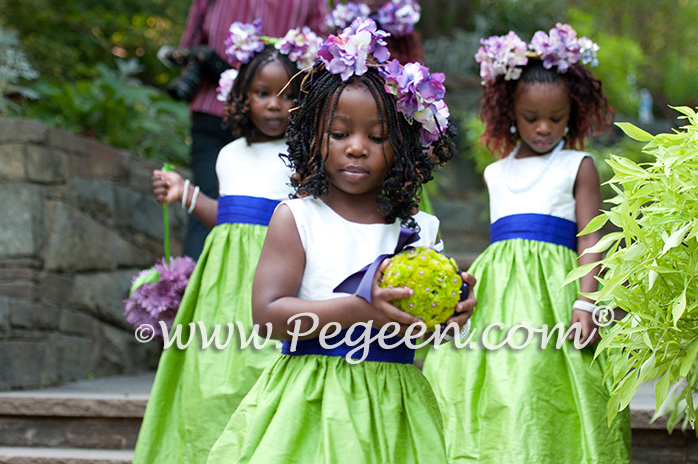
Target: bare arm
[278,279]
[587,192]
[168,187]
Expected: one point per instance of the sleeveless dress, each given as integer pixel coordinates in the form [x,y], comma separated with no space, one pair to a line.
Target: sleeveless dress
[311,406]
[529,405]
[196,390]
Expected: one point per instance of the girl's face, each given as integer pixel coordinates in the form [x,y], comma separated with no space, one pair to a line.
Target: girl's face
[267,111]
[359,154]
[541,112]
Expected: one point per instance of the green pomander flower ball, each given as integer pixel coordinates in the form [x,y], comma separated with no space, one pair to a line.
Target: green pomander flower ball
[433,276]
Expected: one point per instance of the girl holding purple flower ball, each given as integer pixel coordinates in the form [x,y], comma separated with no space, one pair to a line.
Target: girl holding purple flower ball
[196,389]
[513,396]
[356,144]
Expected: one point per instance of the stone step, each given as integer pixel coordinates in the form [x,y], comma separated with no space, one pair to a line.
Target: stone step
[97,421]
[102,414]
[33,455]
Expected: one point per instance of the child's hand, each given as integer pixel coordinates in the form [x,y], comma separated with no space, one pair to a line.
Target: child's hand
[168,186]
[589,327]
[465,308]
[384,311]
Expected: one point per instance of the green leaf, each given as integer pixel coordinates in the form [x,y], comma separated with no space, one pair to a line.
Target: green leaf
[149,278]
[595,224]
[578,273]
[635,132]
[660,389]
[679,307]
[675,239]
[604,243]
[689,360]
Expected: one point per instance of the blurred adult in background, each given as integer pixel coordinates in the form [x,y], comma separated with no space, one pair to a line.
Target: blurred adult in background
[207,24]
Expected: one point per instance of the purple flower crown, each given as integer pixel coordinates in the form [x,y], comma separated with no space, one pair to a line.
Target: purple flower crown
[397,17]
[419,95]
[244,40]
[505,55]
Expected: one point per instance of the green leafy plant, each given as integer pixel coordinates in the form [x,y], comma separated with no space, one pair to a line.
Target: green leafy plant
[651,271]
[120,111]
[14,67]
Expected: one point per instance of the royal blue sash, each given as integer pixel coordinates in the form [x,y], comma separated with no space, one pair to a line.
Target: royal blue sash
[399,354]
[239,209]
[539,227]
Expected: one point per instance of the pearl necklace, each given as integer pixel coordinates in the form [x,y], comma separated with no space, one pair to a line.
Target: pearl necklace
[535,179]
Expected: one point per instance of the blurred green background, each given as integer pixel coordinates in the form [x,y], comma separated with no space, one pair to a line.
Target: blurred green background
[91,67]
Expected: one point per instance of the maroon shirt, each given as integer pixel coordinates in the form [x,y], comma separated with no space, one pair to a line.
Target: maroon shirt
[278,16]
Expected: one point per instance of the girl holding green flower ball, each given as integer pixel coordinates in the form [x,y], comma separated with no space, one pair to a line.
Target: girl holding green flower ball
[356,148]
[538,402]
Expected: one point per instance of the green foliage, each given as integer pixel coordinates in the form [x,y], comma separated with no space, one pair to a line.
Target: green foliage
[620,61]
[119,111]
[651,269]
[665,31]
[14,68]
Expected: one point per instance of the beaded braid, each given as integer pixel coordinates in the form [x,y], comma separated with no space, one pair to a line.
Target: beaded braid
[312,120]
[236,110]
[590,113]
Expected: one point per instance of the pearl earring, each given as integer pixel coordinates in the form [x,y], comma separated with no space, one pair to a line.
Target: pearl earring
[512,129]
[565,131]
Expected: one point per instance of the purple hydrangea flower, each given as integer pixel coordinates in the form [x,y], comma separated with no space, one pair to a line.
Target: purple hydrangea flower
[561,48]
[501,56]
[243,41]
[343,14]
[225,84]
[419,96]
[399,16]
[347,53]
[301,46]
[153,302]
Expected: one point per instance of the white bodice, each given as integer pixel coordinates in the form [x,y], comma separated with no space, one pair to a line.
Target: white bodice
[336,248]
[552,195]
[253,170]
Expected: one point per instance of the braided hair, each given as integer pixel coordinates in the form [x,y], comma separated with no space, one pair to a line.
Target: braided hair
[590,113]
[236,110]
[312,120]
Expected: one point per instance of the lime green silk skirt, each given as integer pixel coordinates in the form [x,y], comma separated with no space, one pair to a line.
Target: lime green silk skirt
[520,403]
[196,390]
[317,409]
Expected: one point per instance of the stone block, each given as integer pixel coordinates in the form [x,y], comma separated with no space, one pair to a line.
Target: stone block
[46,166]
[102,294]
[138,212]
[26,315]
[13,130]
[76,356]
[113,356]
[21,221]
[77,242]
[92,196]
[95,160]
[66,141]
[12,167]
[55,289]
[75,323]
[29,359]
[140,171]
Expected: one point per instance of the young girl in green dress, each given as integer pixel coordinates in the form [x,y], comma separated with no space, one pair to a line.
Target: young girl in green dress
[505,400]
[356,150]
[195,389]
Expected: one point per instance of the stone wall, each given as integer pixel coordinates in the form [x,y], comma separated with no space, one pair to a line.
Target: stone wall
[78,221]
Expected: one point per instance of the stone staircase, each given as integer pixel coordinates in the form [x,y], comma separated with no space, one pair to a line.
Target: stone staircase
[84,422]
[97,422]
